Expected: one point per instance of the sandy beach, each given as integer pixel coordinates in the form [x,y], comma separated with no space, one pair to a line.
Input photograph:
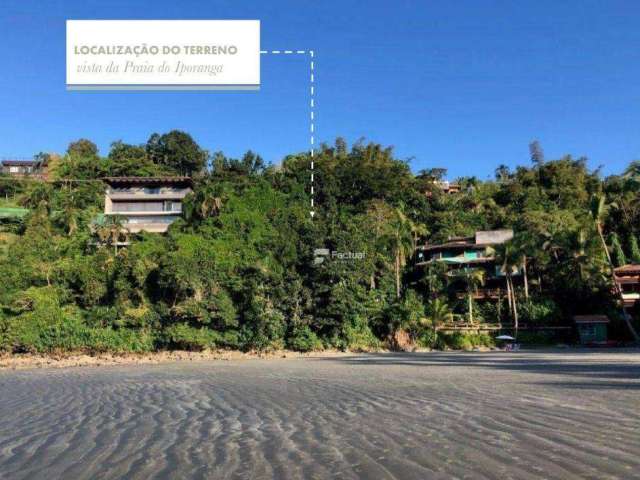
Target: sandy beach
[561,415]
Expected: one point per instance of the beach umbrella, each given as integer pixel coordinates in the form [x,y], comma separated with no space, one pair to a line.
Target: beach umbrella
[505,337]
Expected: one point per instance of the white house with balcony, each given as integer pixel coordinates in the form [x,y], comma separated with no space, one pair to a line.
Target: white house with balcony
[146,203]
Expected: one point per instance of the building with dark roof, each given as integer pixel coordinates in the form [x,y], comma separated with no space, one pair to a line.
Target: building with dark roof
[25,168]
[473,252]
[146,203]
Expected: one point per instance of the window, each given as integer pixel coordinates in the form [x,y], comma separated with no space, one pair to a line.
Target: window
[137,207]
[170,206]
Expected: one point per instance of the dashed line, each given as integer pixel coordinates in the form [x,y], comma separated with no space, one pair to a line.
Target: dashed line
[312,127]
[285,52]
[312,106]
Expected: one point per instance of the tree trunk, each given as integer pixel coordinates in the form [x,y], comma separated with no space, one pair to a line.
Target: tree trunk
[526,281]
[470,308]
[515,310]
[604,244]
[509,297]
[398,273]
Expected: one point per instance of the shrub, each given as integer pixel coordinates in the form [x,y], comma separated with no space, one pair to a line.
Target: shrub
[265,325]
[427,338]
[185,337]
[41,324]
[137,317]
[357,336]
[119,340]
[538,311]
[464,341]
[302,339]
[100,317]
[537,338]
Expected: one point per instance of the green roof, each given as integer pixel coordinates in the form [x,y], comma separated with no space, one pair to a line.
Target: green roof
[13,212]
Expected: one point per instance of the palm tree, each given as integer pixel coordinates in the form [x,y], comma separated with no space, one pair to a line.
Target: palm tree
[511,259]
[576,246]
[473,278]
[438,314]
[599,212]
[110,230]
[401,243]
[526,247]
[204,203]
[435,275]
[632,172]
[418,231]
[69,217]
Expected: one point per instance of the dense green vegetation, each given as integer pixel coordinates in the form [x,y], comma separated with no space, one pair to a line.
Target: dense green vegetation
[238,270]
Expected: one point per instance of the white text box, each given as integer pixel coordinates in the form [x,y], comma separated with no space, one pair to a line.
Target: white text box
[163,53]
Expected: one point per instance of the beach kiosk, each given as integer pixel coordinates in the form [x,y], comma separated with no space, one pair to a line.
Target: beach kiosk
[592,329]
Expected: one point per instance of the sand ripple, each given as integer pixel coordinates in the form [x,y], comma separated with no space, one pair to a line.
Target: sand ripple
[386,416]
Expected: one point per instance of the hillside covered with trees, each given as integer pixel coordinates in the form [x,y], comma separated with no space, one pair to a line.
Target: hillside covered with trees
[238,271]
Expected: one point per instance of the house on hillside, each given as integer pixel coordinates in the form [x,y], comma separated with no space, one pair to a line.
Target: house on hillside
[473,252]
[446,187]
[146,203]
[628,280]
[18,168]
[25,168]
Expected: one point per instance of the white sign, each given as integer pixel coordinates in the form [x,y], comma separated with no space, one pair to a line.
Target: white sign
[163,54]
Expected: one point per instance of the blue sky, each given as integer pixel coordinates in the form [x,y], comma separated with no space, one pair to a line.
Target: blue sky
[465,85]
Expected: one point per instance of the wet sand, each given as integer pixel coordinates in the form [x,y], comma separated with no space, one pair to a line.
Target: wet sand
[570,414]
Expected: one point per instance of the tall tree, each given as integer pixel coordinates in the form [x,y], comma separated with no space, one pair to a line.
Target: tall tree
[177,151]
[511,260]
[599,212]
[536,152]
[83,148]
[401,244]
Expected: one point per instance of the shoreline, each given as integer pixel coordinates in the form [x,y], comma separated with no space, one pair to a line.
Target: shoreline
[31,361]
[28,361]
